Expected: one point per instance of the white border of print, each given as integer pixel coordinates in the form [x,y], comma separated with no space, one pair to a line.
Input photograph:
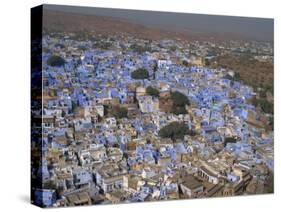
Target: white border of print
[15,95]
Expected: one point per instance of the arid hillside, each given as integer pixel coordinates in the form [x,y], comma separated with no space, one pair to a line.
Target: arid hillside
[74,22]
[70,22]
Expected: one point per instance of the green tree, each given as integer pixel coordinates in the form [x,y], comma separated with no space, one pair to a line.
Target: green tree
[266,106]
[179,102]
[179,99]
[152,91]
[55,60]
[141,49]
[102,45]
[178,110]
[185,63]
[174,130]
[173,48]
[119,112]
[140,73]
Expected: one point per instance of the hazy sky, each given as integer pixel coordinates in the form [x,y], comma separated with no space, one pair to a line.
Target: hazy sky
[259,28]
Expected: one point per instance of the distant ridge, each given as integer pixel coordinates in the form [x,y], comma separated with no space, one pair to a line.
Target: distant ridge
[74,22]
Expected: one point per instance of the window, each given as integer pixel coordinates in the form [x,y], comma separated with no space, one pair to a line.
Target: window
[109,187]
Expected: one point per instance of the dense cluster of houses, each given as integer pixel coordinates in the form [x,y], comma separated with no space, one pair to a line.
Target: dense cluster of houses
[91,156]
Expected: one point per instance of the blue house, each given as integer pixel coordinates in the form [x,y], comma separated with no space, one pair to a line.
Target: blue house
[45,197]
